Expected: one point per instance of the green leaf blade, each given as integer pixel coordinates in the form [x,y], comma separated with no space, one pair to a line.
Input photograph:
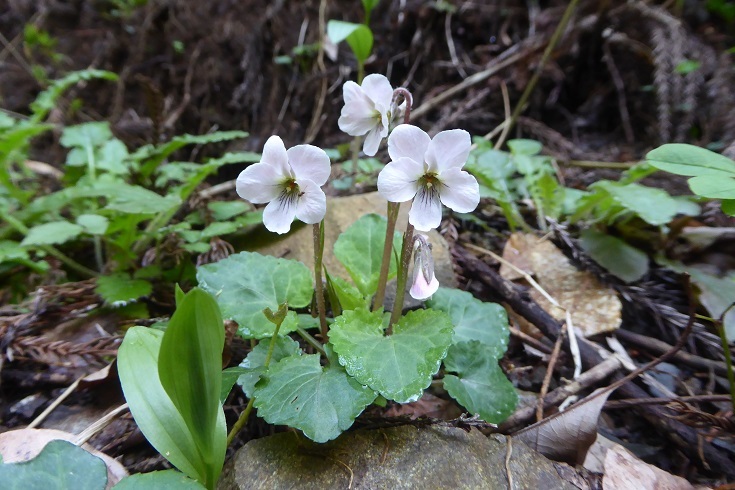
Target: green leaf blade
[399,366]
[60,465]
[480,385]
[152,408]
[691,161]
[474,319]
[320,401]
[253,364]
[52,233]
[119,289]
[360,250]
[713,187]
[158,480]
[245,284]
[190,370]
[626,262]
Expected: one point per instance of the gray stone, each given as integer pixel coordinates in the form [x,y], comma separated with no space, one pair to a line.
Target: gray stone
[341,213]
[392,458]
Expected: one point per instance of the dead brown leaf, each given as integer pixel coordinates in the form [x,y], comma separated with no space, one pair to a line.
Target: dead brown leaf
[594,307]
[567,436]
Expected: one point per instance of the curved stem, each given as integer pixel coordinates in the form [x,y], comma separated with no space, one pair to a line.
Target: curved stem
[409,102]
[392,212]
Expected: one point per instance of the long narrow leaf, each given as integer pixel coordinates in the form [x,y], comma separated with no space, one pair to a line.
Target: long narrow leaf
[190,369]
[153,410]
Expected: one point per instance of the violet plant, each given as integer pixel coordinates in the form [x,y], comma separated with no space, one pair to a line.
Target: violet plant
[361,354]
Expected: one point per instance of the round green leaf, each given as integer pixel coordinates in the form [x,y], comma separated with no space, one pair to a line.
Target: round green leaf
[360,250]
[61,465]
[245,284]
[399,366]
[474,319]
[52,233]
[480,385]
[320,401]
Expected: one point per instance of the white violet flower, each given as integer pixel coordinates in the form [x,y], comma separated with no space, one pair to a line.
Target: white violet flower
[289,181]
[367,110]
[429,171]
[425,283]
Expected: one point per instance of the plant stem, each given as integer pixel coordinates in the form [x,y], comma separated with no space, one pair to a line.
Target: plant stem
[406,252]
[318,284]
[68,261]
[392,213]
[243,419]
[92,171]
[312,341]
[728,357]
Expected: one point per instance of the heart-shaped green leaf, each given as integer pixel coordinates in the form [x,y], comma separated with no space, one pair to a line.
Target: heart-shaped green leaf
[360,250]
[474,319]
[320,401]
[253,364]
[480,385]
[61,465]
[245,284]
[399,366]
[190,370]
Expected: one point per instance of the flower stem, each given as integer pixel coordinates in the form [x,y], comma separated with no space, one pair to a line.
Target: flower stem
[392,212]
[406,252]
[409,102]
[319,285]
[243,419]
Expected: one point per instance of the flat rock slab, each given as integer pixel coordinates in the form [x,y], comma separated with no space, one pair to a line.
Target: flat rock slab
[394,458]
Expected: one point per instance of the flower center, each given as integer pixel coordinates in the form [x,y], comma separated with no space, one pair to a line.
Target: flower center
[430,181]
[290,192]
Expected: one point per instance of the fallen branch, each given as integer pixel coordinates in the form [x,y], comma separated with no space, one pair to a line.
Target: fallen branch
[684,436]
